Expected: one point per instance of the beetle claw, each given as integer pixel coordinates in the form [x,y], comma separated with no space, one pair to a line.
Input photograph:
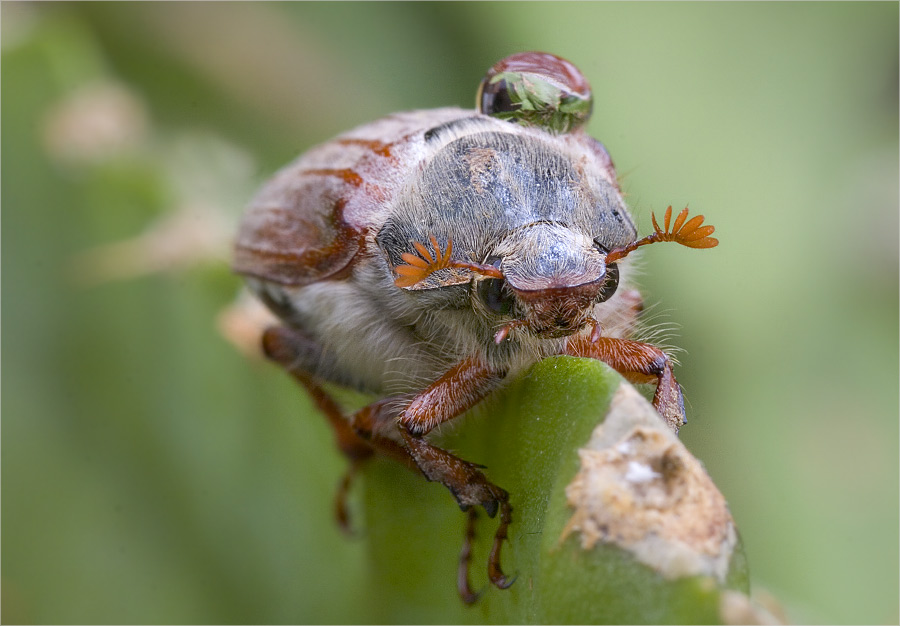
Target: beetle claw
[495,572]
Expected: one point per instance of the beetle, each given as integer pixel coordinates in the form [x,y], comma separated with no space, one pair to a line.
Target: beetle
[428,256]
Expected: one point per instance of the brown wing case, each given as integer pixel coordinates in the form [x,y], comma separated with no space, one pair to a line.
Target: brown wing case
[311,220]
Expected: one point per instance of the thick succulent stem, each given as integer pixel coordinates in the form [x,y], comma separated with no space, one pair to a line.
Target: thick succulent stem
[615,520]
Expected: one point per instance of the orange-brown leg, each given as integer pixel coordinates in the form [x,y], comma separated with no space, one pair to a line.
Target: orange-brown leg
[288,347]
[291,348]
[465,556]
[639,363]
[459,389]
[373,422]
[362,435]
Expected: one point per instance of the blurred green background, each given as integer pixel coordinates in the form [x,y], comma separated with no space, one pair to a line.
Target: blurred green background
[152,473]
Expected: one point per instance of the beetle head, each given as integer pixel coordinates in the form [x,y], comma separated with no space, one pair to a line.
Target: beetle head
[552,277]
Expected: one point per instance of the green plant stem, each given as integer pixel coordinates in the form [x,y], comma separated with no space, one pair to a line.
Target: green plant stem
[528,436]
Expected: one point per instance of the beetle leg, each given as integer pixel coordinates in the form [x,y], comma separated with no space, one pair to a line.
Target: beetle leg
[291,348]
[639,363]
[454,392]
[471,488]
[459,389]
[465,556]
[340,497]
[361,436]
[372,423]
[461,477]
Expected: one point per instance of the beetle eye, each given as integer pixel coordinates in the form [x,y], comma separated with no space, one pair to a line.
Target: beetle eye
[496,295]
[610,283]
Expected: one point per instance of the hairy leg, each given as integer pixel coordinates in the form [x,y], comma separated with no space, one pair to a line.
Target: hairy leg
[459,389]
[294,351]
[639,363]
[361,436]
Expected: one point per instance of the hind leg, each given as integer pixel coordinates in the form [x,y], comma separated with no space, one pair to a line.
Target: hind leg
[294,351]
[363,435]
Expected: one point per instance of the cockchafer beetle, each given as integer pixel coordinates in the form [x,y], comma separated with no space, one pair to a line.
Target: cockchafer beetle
[427,256]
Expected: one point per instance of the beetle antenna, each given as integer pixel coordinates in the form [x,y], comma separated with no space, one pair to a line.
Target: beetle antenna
[419,267]
[691,234]
[489,271]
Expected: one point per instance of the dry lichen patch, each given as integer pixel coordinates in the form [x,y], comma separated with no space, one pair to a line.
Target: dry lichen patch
[640,489]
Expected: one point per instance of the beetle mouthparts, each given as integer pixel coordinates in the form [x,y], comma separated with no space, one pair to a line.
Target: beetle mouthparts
[503,333]
[595,329]
[561,327]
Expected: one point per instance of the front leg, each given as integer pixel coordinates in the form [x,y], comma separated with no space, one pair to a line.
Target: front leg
[639,363]
[453,393]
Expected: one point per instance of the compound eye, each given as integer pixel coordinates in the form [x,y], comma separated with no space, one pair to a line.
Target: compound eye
[496,295]
[610,283]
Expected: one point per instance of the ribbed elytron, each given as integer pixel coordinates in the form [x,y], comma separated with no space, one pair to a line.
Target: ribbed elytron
[429,255]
